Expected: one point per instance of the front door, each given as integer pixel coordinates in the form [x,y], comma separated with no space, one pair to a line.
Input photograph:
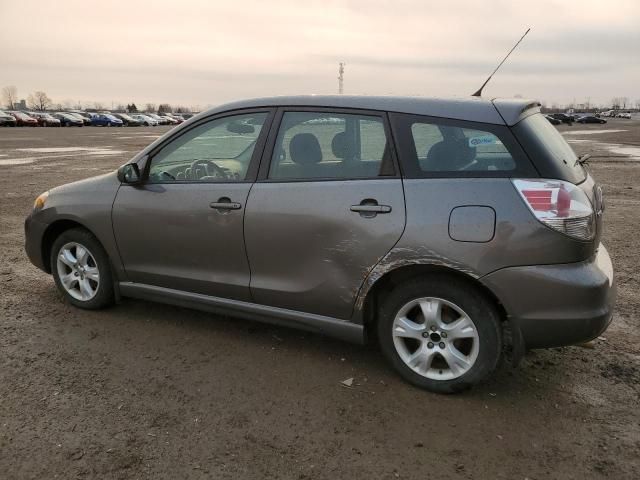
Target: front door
[327,207]
[183,227]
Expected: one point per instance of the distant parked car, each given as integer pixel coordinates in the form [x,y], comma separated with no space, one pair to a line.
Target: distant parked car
[175,117]
[564,118]
[128,120]
[158,118]
[68,120]
[626,115]
[591,119]
[552,121]
[85,117]
[45,119]
[24,120]
[7,120]
[105,120]
[146,120]
[169,119]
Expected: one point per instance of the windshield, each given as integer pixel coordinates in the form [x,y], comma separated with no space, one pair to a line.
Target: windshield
[547,148]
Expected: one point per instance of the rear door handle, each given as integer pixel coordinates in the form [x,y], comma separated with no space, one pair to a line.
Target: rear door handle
[371,208]
[225,203]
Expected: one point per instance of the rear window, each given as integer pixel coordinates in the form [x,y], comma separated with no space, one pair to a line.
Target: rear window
[553,156]
[435,147]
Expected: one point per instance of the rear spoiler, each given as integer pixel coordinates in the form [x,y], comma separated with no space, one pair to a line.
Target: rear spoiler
[512,110]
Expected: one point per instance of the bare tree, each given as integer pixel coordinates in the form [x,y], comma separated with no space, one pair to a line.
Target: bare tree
[10,96]
[615,103]
[98,106]
[624,101]
[39,101]
[637,103]
[150,107]
[164,108]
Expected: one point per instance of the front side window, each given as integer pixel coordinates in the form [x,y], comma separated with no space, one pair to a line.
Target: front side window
[314,145]
[216,151]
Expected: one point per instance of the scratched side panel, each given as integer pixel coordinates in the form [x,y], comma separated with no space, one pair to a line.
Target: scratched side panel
[308,251]
[519,238]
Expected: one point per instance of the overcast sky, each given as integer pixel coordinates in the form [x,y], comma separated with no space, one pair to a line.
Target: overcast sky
[208,52]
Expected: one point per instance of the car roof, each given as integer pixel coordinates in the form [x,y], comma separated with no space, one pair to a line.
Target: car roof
[476,109]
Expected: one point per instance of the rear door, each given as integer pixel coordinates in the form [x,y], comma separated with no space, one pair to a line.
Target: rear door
[183,227]
[328,205]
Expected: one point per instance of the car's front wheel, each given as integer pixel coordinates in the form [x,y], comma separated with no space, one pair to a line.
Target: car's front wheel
[81,269]
[440,333]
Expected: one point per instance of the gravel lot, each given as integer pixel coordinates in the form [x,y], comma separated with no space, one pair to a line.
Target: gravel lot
[150,391]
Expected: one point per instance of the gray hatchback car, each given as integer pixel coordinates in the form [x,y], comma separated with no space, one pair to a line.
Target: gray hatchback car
[445,230]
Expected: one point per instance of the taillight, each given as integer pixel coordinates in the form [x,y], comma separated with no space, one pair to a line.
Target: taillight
[559,205]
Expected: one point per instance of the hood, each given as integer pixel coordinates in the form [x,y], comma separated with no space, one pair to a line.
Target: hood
[99,183]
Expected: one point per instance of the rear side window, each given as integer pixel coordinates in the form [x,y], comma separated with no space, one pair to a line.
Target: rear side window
[449,148]
[553,156]
[323,145]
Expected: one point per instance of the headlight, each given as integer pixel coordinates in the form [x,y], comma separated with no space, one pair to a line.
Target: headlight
[40,201]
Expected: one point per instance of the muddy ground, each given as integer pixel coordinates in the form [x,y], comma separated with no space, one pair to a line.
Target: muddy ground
[150,391]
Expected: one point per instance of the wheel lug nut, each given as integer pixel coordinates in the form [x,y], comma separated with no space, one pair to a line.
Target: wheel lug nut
[430,344]
[443,334]
[441,344]
[425,335]
[433,328]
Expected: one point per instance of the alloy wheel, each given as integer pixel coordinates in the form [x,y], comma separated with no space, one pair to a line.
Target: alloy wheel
[435,338]
[78,271]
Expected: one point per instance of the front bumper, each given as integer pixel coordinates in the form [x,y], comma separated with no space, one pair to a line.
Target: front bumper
[33,236]
[556,305]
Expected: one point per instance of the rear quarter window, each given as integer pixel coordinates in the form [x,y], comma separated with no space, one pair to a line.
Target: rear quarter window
[435,147]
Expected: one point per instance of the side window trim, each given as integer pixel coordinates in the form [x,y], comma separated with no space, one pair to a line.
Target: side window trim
[252,170]
[401,128]
[267,154]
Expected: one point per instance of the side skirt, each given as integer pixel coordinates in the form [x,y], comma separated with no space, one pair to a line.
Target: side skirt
[341,329]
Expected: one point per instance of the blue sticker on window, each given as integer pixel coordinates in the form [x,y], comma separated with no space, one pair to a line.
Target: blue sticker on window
[483,140]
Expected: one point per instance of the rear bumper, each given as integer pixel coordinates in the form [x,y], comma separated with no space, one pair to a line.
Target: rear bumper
[556,305]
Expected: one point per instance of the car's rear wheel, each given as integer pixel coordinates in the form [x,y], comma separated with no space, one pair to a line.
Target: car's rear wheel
[81,269]
[440,333]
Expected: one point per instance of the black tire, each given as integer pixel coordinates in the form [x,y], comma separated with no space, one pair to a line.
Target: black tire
[104,295]
[472,301]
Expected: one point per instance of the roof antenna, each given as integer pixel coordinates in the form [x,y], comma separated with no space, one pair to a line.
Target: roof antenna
[479,92]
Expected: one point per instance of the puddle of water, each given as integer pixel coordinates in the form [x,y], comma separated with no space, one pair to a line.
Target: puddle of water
[591,132]
[63,149]
[106,152]
[18,161]
[624,150]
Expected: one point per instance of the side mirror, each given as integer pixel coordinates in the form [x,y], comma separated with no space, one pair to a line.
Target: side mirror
[129,173]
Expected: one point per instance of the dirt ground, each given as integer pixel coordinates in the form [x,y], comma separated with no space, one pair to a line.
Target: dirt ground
[145,390]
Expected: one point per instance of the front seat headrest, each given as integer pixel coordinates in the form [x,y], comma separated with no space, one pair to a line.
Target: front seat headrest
[304,149]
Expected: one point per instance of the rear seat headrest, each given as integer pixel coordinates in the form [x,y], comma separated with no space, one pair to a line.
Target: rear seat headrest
[304,149]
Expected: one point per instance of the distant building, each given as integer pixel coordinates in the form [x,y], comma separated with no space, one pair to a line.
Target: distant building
[21,105]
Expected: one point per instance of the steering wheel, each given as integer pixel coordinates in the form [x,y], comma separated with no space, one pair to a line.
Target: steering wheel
[164,173]
[217,169]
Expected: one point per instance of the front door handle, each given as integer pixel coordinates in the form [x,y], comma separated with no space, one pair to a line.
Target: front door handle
[225,203]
